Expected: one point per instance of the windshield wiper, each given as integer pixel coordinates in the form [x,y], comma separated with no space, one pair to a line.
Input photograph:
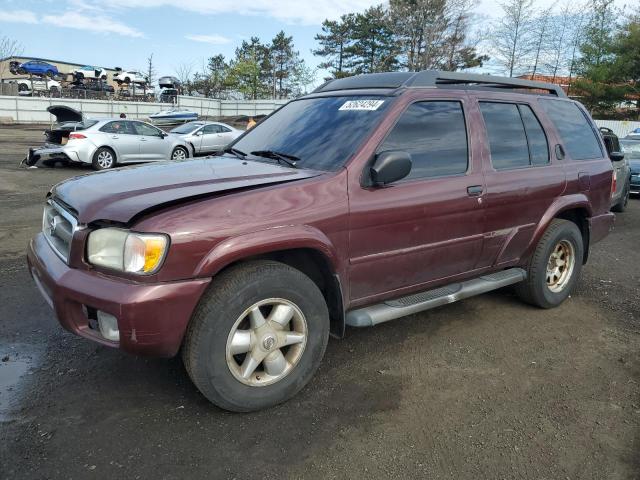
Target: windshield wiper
[238,153]
[281,157]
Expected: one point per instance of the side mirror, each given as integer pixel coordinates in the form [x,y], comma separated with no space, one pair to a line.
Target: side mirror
[199,133]
[390,167]
[616,156]
[163,134]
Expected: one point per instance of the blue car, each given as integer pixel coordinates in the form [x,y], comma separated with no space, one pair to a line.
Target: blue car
[38,67]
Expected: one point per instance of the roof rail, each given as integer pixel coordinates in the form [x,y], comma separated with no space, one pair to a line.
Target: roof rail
[437,78]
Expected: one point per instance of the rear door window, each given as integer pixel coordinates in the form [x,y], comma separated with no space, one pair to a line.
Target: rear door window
[507,138]
[435,135]
[538,145]
[119,127]
[575,130]
[516,138]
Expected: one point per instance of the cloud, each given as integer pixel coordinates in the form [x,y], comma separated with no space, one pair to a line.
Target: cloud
[92,23]
[18,16]
[212,39]
[306,12]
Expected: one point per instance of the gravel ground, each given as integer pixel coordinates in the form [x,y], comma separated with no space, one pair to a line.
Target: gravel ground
[484,388]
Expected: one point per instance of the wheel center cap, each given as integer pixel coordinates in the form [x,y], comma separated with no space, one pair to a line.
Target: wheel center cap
[269,342]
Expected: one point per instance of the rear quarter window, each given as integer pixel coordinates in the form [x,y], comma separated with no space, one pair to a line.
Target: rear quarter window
[574,128]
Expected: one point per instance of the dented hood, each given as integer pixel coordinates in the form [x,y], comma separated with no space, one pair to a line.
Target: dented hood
[121,194]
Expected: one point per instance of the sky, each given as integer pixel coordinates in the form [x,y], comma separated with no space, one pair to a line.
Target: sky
[124,33]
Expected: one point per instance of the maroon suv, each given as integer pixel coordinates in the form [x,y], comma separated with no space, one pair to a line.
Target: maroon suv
[375,197]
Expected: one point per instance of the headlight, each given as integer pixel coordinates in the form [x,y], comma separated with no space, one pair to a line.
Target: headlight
[126,251]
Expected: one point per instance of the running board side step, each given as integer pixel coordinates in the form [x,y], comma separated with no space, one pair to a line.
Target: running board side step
[417,302]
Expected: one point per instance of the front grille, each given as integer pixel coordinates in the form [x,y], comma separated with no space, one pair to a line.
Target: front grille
[58,226]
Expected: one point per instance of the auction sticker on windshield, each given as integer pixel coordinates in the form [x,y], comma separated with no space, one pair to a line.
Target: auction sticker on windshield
[361,105]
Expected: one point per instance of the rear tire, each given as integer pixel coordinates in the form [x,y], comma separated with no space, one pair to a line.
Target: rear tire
[103,159]
[258,377]
[621,206]
[554,267]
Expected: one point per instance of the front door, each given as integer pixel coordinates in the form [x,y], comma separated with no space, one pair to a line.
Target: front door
[153,144]
[212,138]
[426,229]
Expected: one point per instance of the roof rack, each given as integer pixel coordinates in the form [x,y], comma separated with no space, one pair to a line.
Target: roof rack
[437,78]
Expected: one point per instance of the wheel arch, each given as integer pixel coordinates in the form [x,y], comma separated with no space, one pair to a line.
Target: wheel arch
[302,249]
[574,208]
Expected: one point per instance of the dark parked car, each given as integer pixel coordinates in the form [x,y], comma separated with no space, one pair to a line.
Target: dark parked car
[93,86]
[375,197]
[631,150]
[621,170]
[38,67]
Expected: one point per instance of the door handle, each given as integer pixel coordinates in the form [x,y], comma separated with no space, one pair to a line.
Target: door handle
[475,190]
[143,139]
[115,136]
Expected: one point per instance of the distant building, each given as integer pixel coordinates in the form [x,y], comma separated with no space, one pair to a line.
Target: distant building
[63,67]
[564,82]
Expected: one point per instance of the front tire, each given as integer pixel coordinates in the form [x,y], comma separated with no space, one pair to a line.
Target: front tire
[103,159]
[179,153]
[554,267]
[257,337]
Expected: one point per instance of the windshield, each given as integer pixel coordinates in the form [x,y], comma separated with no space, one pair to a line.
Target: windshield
[186,128]
[322,132]
[631,149]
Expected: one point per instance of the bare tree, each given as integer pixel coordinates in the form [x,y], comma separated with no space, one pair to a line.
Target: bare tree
[8,48]
[541,25]
[559,35]
[512,42]
[151,70]
[184,72]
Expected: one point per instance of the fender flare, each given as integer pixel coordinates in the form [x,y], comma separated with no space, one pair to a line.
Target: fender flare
[559,205]
[275,239]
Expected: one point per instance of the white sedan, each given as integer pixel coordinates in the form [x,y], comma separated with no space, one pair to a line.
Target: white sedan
[124,76]
[89,71]
[207,137]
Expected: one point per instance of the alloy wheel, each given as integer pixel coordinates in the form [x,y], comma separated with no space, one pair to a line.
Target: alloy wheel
[266,342]
[560,266]
[105,159]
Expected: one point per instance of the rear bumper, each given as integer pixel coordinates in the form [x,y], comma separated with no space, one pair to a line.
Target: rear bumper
[64,152]
[600,226]
[152,318]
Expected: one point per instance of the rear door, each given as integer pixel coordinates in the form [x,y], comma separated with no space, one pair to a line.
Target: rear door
[522,180]
[426,228]
[120,135]
[153,144]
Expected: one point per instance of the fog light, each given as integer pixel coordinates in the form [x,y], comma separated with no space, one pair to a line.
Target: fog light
[108,325]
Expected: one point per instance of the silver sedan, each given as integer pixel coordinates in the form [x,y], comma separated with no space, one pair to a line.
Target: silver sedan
[106,143]
[207,137]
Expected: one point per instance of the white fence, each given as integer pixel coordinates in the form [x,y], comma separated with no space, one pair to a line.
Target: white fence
[34,110]
[620,127]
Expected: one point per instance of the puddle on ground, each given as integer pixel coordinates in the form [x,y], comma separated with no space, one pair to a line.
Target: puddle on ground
[16,361]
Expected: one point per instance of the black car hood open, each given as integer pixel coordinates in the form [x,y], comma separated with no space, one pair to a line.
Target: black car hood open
[121,194]
[65,114]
